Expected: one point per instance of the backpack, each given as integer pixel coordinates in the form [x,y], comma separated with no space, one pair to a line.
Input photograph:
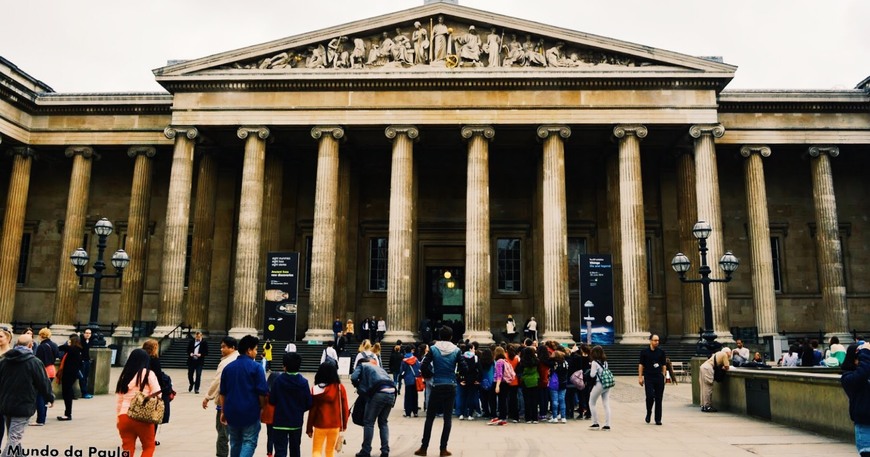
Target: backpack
[508,375]
[605,377]
[487,381]
[577,380]
[530,376]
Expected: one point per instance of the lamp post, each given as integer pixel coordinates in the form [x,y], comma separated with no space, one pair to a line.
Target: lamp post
[79,259]
[728,263]
[588,305]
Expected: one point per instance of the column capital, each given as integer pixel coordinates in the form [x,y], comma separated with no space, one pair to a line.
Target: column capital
[334,130]
[261,131]
[171,131]
[147,151]
[85,151]
[761,149]
[717,130]
[393,130]
[544,131]
[468,131]
[24,151]
[832,151]
[637,130]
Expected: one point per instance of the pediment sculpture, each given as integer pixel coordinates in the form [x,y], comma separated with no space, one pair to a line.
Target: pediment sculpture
[434,43]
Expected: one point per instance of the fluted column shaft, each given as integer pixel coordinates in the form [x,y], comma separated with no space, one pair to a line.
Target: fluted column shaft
[133,281]
[169,310]
[615,242]
[761,258]
[828,247]
[400,249]
[323,242]
[710,210]
[244,314]
[478,261]
[273,186]
[687,216]
[13,229]
[556,319]
[73,229]
[632,229]
[202,247]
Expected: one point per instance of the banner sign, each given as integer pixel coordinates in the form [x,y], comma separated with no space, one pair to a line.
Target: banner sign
[596,286]
[282,282]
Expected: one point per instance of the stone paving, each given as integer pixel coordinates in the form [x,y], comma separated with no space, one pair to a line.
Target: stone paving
[686,431]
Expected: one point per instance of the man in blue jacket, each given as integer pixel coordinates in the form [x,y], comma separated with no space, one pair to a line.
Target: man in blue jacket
[440,363]
[377,386]
[243,394]
[22,377]
[292,397]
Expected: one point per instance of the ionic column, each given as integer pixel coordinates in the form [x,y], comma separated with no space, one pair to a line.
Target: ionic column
[13,229]
[133,281]
[687,216]
[830,251]
[320,313]
[710,210]
[761,259]
[478,260]
[400,249]
[273,185]
[169,310]
[202,245]
[244,312]
[73,230]
[615,231]
[556,319]
[631,226]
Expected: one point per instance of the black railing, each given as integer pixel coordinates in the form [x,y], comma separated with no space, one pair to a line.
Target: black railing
[106,330]
[177,332]
[806,337]
[748,335]
[859,334]
[19,327]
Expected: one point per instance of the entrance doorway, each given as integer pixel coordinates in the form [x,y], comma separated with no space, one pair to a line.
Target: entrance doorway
[445,294]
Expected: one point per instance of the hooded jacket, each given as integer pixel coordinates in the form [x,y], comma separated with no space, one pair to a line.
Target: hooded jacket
[370,378]
[329,409]
[410,369]
[442,359]
[22,376]
[291,396]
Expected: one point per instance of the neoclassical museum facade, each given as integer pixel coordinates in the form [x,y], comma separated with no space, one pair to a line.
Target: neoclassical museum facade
[431,143]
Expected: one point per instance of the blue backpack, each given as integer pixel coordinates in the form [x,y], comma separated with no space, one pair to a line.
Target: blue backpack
[487,381]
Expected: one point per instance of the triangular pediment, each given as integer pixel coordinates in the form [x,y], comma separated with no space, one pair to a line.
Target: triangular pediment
[443,38]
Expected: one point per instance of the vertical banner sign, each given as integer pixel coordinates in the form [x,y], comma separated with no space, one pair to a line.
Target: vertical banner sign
[282,281]
[596,286]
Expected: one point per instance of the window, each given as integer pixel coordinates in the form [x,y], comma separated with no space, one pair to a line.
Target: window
[776,255]
[24,258]
[576,248]
[309,243]
[378,264]
[508,258]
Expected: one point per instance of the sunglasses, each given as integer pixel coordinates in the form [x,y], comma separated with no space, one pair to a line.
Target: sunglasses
[5,329]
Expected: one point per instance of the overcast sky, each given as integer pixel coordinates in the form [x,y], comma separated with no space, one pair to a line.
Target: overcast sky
[112,45]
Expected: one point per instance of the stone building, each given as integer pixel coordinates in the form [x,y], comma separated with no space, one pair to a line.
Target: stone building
[438,139]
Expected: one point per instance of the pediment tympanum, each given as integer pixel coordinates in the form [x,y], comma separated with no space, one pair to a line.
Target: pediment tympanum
[443,37]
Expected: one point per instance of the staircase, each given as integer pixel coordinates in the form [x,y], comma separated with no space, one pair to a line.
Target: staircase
[623,359]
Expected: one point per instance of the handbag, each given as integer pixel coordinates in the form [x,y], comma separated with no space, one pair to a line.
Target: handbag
[718,371]
[420,383]
[339,442]
[146,408]
[267,414]
[358,412]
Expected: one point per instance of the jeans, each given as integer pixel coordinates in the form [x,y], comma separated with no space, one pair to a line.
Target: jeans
[441,401]
[557,399]
[862,439]
[530,403]
[196,370]
[41,409]
[570,402]
[270,438]
[654,385]
[489,403]
[287,442]
[243,440]
[411,399]
[378,408]
[467,403]
[15,427]
[84,373]
[222,445]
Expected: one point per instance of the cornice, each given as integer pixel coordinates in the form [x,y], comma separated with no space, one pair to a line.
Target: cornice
[778,101]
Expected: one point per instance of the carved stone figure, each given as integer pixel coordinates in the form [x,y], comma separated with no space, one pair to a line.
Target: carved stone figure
[336,55]
[420,37]
[386,52]
[554,55]
[531,54]
[440,35]
[493,48]
[469,50]
[401,47]
[317,57]
[282,60]
[515,53]
[358,57]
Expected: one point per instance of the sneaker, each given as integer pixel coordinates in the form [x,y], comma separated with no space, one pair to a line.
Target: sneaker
[502,422]
[493,422]
[563,421]
[593,427]
[606,427]
[515,421]
[471,418]
[88,396]
[534,422]
[462,418]
[64,418]
[552,421]
[35,424]
[528,422]
[415,414]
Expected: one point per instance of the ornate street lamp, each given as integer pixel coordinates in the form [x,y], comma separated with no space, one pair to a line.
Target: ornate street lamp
[728,263]
[79,258]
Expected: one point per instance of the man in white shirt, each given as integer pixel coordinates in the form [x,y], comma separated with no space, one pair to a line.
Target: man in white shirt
[329,353]
[740,355]
[228,354]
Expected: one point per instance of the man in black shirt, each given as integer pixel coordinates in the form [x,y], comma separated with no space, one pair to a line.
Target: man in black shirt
[651,375]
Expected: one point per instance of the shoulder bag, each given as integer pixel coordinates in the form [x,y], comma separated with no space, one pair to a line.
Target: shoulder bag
[339,442]
[146,408]
[718,371]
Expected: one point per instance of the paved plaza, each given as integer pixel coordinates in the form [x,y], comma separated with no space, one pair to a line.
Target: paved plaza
[686,431]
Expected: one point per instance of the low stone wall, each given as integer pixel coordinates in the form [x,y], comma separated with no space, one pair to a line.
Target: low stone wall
[811,399]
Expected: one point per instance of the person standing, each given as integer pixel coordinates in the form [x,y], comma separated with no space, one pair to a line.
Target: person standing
[135,377]
[441,361]
[651,375]
[84,374]
[22,381]
[337,329]
[396,358]
[5,342]
[598,365]
[47,353]
[510,331]
[329,411]
[532,327]
[292,397]
[228,355]
[69,373]
[197,351]
[152,347]
[722,359]
[267,356]
[374,383]
[856,382]
[382,328]
[408,372]
[242,395]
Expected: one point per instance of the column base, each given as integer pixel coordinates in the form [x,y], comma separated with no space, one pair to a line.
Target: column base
[724,336]
[63,331]
[845,337]
[560,337]
[481,336]
[124,331]
[319,334]
[689,339]
[404,336]
[636,338]
[239,332]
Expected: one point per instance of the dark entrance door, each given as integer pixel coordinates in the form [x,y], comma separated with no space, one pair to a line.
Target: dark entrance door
[445,294]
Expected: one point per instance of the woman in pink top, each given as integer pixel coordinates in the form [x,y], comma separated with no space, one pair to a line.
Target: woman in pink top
[135,377]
